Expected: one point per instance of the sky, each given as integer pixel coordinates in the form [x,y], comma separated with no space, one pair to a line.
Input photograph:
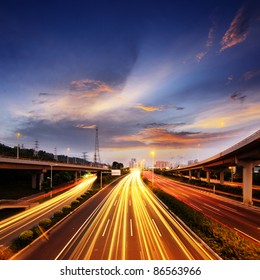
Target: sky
[180,78]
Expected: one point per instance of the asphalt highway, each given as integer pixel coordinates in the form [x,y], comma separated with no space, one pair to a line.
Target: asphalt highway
[243,219]
[124,221]
[11,227]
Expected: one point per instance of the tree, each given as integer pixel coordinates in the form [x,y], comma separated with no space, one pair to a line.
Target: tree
[117,165]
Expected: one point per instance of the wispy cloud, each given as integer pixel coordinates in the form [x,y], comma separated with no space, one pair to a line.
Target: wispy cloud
[85,95]
[161,137]
[86,126]
[46,94]
[237,96]
[91,86]
[148,108]
[229,79]
[164,125]
[238,30]
[159,108]
[209,44]
[251,74]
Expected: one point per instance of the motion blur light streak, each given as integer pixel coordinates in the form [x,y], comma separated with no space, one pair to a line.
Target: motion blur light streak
[142,229]
[30,217]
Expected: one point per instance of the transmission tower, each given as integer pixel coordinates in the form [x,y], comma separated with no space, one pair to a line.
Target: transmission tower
[96,155]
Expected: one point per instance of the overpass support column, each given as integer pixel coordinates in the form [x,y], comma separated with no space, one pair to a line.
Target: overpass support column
[208,176]
[76,176]
[41,181]
[221,177]
[198,174]
[34,178]
[190,176]
[247,182]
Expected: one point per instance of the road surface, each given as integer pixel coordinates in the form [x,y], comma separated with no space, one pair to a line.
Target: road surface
[10,228]
[243,219]
[122,222]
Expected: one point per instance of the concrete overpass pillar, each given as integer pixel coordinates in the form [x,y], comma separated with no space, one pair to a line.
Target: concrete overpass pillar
[76,176]
[221,177]
[41,181]
[208,176]
[34,178]
[198,174]
[190,176]
[247,182]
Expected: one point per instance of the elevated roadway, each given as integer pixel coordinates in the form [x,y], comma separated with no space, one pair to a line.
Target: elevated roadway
[39,168]
[245,154]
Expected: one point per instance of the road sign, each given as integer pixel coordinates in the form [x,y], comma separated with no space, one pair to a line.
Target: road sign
[115,172]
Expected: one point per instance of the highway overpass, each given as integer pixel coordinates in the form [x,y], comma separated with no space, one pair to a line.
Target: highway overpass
[245,154]
[39,168]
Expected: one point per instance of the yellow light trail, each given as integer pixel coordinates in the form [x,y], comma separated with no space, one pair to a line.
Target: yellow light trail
[14,223]
[133,219]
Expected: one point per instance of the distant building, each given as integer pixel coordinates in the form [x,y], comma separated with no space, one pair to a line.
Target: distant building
[192,161]
[132,163]
[162,164]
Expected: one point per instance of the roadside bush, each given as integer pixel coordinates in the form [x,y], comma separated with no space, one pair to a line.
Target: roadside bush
[66,209]
[58,215]
[80,199]
[45,223]
[74,204]
[226,243]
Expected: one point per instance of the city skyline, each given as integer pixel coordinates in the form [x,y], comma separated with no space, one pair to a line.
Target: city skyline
[181,79]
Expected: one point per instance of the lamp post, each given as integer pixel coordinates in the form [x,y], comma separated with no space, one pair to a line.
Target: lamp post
[68,149]
[51,183]
[18,134]
[152,153]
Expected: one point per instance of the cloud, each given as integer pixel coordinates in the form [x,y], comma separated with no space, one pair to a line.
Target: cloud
[165,125]
[238,30]
[148,108]
[86,126]
[162,138]
[237,96]
[46,94]
[160,108]
[91,86]
[229,79]
[251,74]
[85,95]
[209,44]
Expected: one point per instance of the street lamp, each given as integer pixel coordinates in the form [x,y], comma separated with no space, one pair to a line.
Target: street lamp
[152,153]
[51,182]
[18,134]
[68,149]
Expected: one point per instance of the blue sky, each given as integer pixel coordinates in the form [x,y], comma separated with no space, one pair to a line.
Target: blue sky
[177,77]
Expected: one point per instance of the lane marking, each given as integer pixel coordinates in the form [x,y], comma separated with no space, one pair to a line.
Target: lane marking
[186,195]
[130,203]
[104,232]
[211,207]
[228,208]
[131,228]
[247,235]
[156,227]
[195,207]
